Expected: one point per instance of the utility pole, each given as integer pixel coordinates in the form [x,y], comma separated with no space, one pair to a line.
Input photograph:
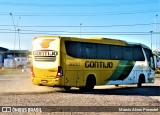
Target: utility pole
[15,37]
[80,29]
[151,39]
[19,35]
[14,40]
[18,30]
[156,29]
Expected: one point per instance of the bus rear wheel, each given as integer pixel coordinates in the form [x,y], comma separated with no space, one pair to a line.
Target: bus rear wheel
[67,88]
[90,83]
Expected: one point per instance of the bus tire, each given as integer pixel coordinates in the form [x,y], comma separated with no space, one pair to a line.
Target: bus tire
[90,83]
[141,80]
[116,85]
[139,84]
[82,88]
[67,88]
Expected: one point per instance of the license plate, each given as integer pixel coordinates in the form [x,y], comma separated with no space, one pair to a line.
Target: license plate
[44,81]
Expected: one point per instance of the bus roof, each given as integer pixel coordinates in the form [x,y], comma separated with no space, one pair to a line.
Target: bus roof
[138,44]
[98,40]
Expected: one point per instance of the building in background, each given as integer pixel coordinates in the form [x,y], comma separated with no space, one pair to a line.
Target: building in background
[2,55]
[16,59]
[13,58]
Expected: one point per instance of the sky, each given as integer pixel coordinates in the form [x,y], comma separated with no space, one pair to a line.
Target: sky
[130,20]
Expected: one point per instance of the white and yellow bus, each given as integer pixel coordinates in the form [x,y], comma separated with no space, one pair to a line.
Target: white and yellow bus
[75,62]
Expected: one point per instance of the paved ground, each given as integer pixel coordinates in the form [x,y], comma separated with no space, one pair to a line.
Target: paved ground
[20,83]
[17,90]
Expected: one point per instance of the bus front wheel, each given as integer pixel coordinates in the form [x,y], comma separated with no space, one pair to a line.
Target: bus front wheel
[141,80]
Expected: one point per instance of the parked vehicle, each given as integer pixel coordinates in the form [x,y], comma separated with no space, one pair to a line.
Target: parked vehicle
[26,68]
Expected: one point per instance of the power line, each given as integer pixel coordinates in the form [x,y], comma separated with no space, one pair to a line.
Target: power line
[72,31]
[86,33]
[30,30]
[80,4]
[73,34]
[99,26]
[83,13]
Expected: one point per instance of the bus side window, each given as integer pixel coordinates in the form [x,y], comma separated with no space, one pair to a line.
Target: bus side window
[74,49]
[128,53]
[103,51]
[116,52]
[71,48]
[89,51]
[79,50]
[138,54]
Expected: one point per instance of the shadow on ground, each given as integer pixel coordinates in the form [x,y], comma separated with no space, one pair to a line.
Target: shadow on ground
[143,91]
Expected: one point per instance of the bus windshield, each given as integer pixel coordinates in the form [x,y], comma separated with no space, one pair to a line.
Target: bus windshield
[150,58]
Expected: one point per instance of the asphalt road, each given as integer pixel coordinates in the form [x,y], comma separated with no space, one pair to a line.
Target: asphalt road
[17,90]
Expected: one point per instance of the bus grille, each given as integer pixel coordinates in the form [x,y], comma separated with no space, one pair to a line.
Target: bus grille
[45,58]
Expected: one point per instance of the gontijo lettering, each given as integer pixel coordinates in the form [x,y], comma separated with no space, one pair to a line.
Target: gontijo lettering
[45,53]
[97,64]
